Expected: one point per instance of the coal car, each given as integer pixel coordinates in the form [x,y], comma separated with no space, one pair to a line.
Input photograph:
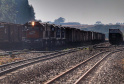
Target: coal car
[115,36]
[10,35]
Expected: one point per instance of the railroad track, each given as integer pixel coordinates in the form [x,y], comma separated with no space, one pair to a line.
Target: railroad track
[75,74]
[7,68]
[16,52]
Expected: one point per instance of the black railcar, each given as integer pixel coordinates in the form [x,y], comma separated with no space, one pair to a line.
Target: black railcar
[115,36]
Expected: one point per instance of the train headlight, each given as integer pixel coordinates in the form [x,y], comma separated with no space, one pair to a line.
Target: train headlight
[33,23]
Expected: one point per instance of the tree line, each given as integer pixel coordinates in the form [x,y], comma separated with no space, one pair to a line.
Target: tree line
[16,11]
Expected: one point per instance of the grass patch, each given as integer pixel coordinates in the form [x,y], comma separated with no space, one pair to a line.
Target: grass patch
[5,60]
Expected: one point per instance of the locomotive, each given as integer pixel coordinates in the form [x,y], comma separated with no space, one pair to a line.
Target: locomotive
[115,36]
[34,34]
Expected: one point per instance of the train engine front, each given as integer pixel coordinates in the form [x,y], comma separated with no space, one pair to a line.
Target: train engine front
[33,35]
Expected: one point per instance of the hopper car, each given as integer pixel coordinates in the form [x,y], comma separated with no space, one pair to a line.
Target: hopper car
[115,36]
[10,35]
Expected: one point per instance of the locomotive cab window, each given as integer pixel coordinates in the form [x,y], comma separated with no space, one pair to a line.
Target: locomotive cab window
[63,33]
[58,33]
[52,29]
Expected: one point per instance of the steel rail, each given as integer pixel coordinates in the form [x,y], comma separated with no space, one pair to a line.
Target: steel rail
[84,75]
[35,61]
[24,52]
[58,52]
[4,65]
[67,71]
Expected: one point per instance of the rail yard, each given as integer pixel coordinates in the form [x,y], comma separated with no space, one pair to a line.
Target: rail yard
[91,64]
[67,55]
[61,42]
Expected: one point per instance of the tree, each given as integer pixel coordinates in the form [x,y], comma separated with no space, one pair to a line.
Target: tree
[98,23]
[38,20]
[16,11]
[59,20]
[25,12]
[7,9]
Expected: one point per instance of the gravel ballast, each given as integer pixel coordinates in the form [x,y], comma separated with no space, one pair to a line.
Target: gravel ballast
[111,71]
[41,72]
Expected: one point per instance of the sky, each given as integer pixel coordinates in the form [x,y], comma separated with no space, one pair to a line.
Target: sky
[83,11]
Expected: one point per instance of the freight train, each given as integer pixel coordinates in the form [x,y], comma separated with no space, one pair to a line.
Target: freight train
[115,36]
[35,34]
[49,35]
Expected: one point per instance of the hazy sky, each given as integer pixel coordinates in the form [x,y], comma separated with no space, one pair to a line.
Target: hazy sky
[83,11]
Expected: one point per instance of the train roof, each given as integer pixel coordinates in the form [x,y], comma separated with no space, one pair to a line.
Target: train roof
[57,26]
[115,31]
